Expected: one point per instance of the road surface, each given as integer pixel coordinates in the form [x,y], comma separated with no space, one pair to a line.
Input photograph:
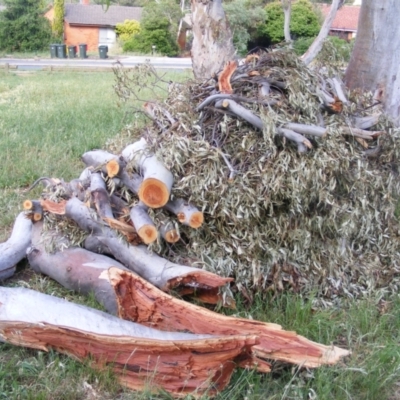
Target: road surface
[157,62]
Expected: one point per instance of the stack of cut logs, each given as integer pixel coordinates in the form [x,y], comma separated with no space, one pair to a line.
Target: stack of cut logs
[142,341]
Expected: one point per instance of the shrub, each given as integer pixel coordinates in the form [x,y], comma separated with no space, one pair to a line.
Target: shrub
[301,45]
[153,33]
[127,29]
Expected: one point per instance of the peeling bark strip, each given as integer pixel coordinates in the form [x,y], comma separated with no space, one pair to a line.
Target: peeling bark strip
[156,187]
[14,249]
[224,79]
[179,363]
[141,302]
[159,271]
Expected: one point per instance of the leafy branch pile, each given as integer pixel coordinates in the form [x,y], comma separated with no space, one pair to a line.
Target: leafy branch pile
[310,213]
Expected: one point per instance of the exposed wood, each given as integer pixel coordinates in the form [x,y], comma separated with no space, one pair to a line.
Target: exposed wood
[98,158]
[240,112]
[168,231]
[143,224]
[187,213]
[303,129]
[141,302]
[34,210]
[114,167]
[224,78]
[53,207]
[157,270]
[337,86]
[14,249]
[287,10]
[179,363]
[157,179]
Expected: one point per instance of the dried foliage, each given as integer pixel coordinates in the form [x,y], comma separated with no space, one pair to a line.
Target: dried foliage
[276,218]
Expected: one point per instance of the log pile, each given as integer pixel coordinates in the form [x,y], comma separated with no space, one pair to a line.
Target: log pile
[269,175]
[297,177]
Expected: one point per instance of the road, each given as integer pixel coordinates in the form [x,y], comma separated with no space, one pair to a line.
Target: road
[157,62]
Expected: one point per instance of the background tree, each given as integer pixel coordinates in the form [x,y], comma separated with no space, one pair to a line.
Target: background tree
[23,26]
[287,10]
[303,23]
[212,38]
[244,19]
[375,61]
[58,22]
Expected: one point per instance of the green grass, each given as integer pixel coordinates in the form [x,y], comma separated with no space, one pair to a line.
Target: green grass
[47,121]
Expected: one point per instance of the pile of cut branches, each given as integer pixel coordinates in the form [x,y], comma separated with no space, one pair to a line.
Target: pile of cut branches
[297,179]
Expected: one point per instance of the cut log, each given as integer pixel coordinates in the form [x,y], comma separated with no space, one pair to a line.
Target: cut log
[100,196]
[14,249]
[240,112]
[224,78]
[179,363]
[157,270]
[303,129]
[141,302]
[34,210]
[143,224]
[301,142]
[74,268]
[157,182]
[187,213]
[98,158]
[168,231]
[114,167]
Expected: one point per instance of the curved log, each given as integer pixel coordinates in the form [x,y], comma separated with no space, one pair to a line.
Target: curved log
[141,302]
[301,142]
[240,112]
[180,363]
[157,270]
[303,129]
[74,268]
[14,249]
[156,187]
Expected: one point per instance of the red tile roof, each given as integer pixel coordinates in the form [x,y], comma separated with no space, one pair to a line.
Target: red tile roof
[346,18]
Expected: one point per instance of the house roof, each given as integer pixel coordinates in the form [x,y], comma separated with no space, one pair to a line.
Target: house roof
[81,14]
[346,18]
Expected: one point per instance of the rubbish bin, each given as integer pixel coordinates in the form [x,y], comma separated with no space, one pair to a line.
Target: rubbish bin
[82,50]
[61,51]
[71,51]
[103,50]
[53,50]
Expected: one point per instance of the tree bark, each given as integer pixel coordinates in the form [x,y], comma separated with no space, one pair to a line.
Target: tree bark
[14,249]
[143,224]
[180,363]
[287,9]
[316,45]
[141,302]
[212,44]
[375,61]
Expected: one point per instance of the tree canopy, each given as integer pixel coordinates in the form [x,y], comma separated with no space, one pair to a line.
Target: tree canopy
[23,26]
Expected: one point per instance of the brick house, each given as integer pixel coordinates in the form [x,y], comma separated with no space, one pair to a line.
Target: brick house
[93,24]
[345,23]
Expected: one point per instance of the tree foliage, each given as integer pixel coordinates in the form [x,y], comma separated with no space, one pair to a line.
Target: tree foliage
[304,21]
[153,32]
[23,26]
[58,22]
[244,20]
[127,29]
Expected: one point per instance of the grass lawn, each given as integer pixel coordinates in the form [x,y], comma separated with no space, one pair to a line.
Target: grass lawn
[47,121]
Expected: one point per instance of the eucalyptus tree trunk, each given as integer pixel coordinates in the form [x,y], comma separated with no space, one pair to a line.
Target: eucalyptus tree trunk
[212,38]
[287,9]
[375,61]
[316,45]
